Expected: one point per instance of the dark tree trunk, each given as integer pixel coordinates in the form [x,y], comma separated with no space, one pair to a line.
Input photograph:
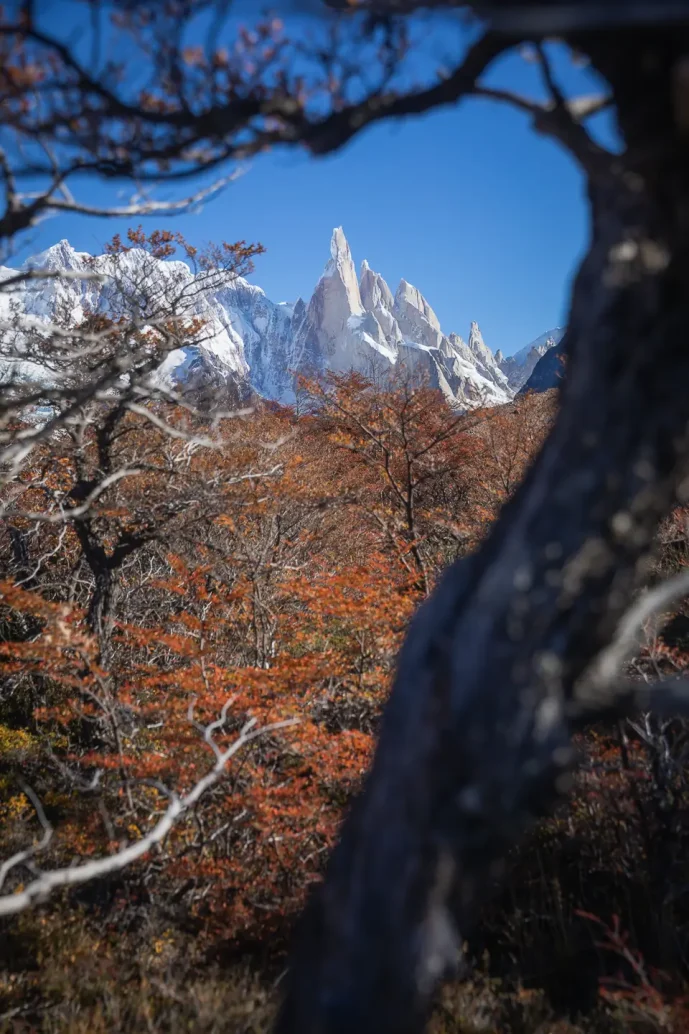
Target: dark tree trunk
[474,742]
[104,568]
[101,606]
[20,556]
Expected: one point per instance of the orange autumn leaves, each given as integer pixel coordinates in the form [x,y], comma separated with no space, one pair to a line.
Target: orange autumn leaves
[279,570]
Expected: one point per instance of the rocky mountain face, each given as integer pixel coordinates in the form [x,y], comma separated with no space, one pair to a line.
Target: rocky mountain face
[251,344]
[548,371]
[356,323]
[519,367]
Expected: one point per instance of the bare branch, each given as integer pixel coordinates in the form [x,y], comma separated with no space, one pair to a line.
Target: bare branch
[526,18]
[75,512]
[551,19]
[23,856]
[581,108]
[666,698]
[48,882]
[650,604]
[334,131]
[172,432]
[48,274]
[143,208]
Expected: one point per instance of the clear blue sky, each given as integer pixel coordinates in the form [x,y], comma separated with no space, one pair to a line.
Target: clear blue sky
[483,215]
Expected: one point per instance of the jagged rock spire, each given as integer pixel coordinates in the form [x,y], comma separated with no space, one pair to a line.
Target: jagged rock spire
[341,266]
[476,343]
[374,290]
[58,256]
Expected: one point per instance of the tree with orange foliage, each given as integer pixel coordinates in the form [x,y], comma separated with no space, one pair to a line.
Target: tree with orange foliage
[511,437]
[229,578]
[119,464]
[407,461]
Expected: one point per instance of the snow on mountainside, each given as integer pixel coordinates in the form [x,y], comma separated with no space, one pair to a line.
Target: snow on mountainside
[134,285]
[250,343]
[548,371]
[519,367]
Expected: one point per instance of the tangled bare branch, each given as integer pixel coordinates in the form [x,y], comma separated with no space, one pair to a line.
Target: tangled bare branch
[45,884]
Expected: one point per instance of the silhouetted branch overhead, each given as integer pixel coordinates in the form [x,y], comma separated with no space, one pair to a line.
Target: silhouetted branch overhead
[549,17]
[206,105]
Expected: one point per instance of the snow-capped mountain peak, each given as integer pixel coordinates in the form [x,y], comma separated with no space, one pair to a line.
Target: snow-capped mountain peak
[374,289]
[408,297]
[250,343]
[58,256]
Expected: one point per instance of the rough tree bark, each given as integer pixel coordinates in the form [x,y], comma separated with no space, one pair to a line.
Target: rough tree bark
[476,738]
